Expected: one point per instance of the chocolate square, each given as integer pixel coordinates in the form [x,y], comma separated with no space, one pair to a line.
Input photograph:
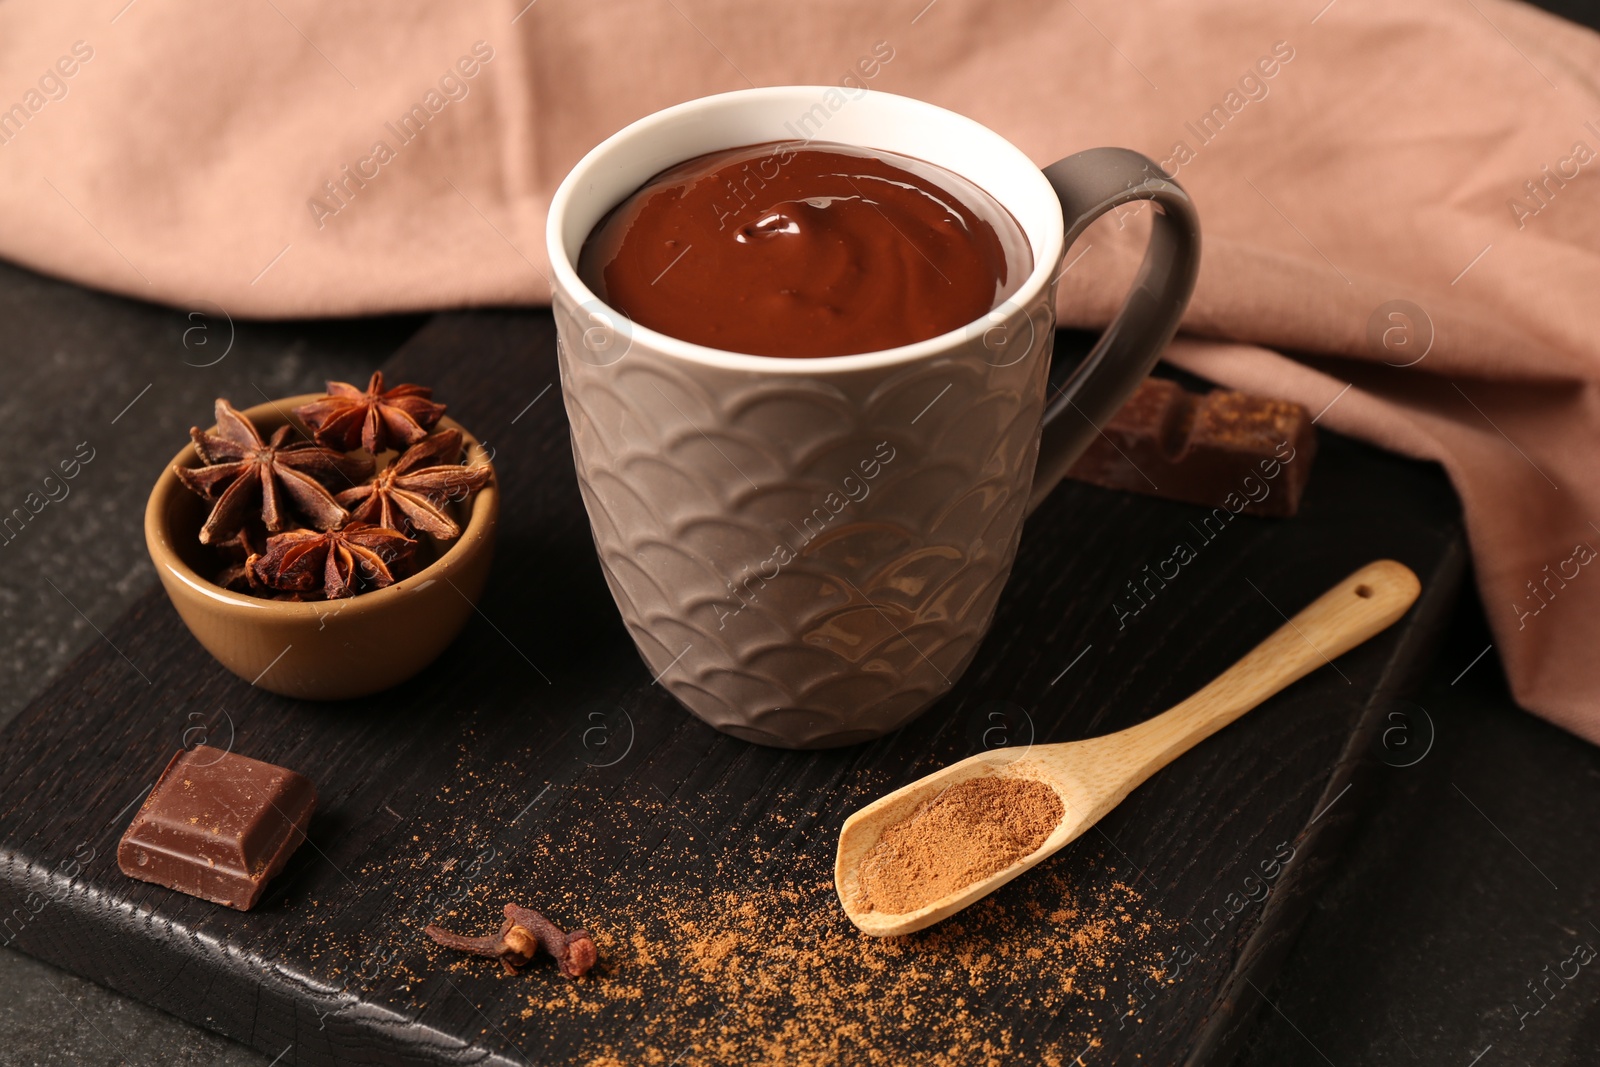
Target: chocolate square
[1221,449]
[218,826]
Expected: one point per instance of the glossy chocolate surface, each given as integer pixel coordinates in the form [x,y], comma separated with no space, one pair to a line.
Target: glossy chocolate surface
[802,249]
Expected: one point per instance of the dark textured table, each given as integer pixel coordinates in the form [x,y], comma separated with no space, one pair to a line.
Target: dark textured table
[1463,883]
[416,783]
[127,379]
[1461,892]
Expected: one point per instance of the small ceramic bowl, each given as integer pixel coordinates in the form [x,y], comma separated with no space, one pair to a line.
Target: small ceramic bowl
[320,650]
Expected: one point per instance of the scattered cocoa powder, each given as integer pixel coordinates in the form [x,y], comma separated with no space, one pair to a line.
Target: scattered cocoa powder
[734,951]
[969,831]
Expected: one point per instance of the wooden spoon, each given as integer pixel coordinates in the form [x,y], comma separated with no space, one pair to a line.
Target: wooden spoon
[1091,777]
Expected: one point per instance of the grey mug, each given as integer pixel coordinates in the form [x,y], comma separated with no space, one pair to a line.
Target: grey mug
[808,552]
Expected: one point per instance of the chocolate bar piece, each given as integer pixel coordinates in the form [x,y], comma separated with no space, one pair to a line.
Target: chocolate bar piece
[218,826]
[1218,449]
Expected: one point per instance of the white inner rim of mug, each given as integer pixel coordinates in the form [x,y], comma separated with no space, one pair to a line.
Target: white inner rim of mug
[624,161]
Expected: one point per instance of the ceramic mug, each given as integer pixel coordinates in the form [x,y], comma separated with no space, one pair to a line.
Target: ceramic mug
[808,552]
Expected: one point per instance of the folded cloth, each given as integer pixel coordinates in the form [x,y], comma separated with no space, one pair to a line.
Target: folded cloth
[1404,196]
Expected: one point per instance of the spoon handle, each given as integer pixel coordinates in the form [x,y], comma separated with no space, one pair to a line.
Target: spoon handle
[1364,604]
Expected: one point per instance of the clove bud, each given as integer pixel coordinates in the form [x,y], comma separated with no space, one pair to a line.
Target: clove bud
[521,936]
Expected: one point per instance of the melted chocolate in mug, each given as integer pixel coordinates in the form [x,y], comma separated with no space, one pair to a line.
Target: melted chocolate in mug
[796,248]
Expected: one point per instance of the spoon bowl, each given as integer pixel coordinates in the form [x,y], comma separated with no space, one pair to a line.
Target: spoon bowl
[1091,777]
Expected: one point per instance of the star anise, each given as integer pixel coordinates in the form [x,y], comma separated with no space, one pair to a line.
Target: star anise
[338,563]
[250,538]
[236,577]
[411,493]
[376,420]
[245,475]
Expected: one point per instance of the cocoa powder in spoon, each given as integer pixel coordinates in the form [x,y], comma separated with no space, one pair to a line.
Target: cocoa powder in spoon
[963,835]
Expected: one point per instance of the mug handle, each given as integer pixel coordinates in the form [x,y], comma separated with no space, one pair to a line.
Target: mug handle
[1089,184]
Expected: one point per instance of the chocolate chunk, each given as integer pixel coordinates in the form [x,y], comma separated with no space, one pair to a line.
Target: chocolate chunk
[218,826]
[1218,449]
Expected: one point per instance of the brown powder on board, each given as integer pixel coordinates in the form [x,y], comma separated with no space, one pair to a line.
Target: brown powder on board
[968,832]
[724,952]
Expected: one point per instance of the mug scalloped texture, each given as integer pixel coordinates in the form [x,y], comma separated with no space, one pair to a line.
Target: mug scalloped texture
[805,560]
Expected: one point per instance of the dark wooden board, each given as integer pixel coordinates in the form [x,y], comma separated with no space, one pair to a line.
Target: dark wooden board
[536,762]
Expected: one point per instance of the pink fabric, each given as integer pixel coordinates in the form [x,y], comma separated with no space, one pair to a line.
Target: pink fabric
[1383,159]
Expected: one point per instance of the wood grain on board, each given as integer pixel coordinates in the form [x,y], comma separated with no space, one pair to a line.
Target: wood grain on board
[537,763]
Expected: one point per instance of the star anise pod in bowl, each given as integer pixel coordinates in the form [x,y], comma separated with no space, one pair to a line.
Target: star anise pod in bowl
[412,493]
[246,477]
[377,419]
[312,585]
[335,563]
[250,538]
